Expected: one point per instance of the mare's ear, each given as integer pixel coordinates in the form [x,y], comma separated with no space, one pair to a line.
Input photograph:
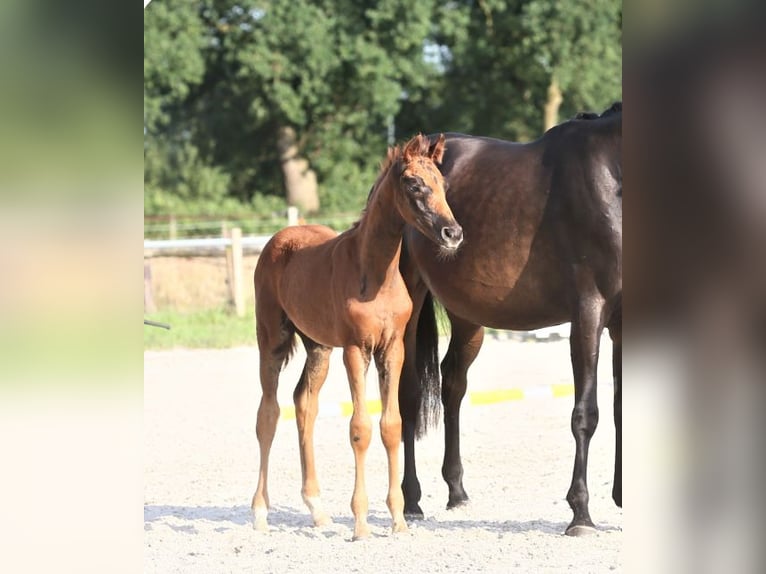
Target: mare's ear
[437,150]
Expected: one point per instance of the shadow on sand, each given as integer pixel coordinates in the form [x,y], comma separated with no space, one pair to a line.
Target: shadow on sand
[291,517]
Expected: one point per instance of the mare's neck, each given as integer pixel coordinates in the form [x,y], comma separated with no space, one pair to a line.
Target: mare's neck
[380,232]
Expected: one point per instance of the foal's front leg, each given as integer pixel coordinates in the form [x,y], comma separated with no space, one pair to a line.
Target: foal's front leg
[356,361]
[389,363]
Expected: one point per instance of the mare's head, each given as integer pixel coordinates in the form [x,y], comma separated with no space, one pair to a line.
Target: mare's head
[421,195]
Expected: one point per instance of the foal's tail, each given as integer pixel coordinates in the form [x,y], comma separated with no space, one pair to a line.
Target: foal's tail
[427,364]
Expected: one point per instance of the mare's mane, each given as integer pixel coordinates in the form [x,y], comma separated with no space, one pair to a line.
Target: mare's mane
[615,108]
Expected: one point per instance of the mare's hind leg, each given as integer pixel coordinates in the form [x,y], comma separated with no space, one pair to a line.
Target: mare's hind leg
[615,333]
[389,364]
[274,343]
[306,399]
[464,346]
[356,361]
[587,325]
[410,395]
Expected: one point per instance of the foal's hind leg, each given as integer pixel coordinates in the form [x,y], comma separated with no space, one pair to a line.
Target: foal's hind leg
[357,360]
[464,346]
[274,342]
[389,364]
[306,399]
[587,325]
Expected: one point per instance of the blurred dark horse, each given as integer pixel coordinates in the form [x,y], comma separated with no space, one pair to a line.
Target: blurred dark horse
[542,223]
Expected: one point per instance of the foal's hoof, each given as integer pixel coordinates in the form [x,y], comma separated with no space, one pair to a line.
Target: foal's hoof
[399,527]
[259,520]
[361,533]
[580,530]
[322,519]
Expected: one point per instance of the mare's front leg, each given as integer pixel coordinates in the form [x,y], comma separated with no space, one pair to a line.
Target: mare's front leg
[464,346]
[356,361]
[587,325]
[389,364]
[306,400]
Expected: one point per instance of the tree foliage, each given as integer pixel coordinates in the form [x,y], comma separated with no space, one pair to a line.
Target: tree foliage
[222,77]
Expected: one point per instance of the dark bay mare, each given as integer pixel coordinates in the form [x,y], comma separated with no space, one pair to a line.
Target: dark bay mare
[347,291]
[542,223]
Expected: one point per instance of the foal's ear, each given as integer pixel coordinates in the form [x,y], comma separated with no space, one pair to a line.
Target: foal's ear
[436,152]
[417,146]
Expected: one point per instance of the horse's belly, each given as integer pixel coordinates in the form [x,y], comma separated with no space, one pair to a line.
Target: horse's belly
[476,287]
[502,308]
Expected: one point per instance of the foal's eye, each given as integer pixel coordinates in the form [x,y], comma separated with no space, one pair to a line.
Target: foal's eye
[418,190]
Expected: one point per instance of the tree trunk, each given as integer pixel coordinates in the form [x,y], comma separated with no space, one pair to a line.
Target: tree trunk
[300,179]
[552,104]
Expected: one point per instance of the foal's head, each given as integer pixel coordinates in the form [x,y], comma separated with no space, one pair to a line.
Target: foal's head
[421,197]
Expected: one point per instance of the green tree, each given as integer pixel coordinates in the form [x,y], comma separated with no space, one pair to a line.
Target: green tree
[175,172]
[249,103]
[288,88]
[501,58]
[577,46]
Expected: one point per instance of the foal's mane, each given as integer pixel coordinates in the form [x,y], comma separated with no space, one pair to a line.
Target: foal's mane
[392,161]
[393,155]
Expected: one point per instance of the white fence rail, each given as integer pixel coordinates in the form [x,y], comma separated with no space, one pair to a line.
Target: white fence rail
[255,243]
[233,247]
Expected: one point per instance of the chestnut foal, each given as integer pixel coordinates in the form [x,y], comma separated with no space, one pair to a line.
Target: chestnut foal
[346,291]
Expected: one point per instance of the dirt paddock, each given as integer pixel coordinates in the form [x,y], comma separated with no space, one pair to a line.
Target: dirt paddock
[201,458]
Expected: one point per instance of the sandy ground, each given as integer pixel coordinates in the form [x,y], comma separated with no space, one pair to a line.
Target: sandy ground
[201,462]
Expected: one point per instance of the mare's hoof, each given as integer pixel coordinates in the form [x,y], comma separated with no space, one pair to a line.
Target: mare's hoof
[580,530]
[414,513]
[457,503]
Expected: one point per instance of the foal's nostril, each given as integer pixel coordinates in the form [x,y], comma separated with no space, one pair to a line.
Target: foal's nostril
[452,234]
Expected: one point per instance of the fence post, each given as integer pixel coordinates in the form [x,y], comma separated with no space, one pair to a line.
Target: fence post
[226,234]
[292,215]
[173,227]
[237,271]
[149,306]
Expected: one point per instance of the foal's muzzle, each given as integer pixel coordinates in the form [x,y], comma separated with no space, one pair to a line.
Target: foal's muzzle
[452,236]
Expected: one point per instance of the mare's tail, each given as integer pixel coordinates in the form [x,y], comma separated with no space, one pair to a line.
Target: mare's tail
[427,364]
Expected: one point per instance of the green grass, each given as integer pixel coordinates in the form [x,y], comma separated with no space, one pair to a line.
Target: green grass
[216,329]
[208,329]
